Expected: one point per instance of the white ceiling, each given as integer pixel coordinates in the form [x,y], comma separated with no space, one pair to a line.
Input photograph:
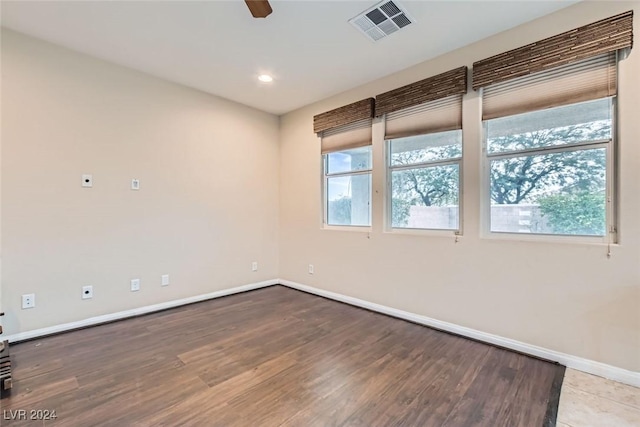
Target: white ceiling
[308,46]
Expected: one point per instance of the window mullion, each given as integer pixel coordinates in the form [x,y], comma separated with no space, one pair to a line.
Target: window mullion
[550,150]
[350,173]
[423,165]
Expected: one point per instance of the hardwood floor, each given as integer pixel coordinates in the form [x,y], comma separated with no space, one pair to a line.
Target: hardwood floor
[274,357]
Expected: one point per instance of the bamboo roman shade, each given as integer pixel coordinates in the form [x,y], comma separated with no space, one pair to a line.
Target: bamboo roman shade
[578,65]
[607,35]
[452,82]
[345,127]
[353,135]
[582,81]
[435,116]
[430,105]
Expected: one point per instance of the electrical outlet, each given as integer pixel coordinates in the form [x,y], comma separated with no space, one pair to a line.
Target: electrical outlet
[28,301]
[87,292]
[87,180]
[135,184]
[135,285]
[165,280]
[254,266]
[310,268]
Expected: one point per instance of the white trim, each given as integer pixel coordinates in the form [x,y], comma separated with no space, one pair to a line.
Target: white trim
[91,321]
[356,228]
[574,362]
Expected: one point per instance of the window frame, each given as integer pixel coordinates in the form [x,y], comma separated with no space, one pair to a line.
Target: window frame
[611,235]
[325,191]
[388,200]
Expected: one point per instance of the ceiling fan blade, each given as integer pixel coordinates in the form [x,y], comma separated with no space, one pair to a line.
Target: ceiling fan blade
[259,8]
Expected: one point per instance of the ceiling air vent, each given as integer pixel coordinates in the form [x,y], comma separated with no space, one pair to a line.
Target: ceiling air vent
[381,20]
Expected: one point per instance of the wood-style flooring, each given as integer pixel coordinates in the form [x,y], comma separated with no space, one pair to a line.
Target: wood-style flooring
[274,357]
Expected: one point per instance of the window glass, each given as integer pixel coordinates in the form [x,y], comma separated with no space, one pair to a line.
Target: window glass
[571,124]
[349,200]
[539,183]
[426,148]
[349,160]
[425,181]
[426,197]
[347,181]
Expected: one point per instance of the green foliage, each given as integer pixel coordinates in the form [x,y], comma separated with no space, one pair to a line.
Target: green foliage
[428,186]
[581,213]
[340,211]
[424,186]
[525,178]
[567,184]
[400,212]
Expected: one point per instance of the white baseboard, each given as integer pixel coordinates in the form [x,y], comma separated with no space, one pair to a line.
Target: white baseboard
[573,362]
[36,333]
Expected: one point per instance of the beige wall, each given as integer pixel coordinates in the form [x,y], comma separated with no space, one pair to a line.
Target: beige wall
[211,203]
[207,208]
[562,296]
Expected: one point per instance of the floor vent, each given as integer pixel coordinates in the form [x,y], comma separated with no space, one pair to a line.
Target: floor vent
[381,20]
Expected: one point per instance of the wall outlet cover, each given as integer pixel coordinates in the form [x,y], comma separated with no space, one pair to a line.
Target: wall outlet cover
[87,292]
[135,285]
[28,301]
[87,180]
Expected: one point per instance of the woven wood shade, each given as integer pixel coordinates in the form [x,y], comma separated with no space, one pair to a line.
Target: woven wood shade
[346,137]
[344,115]
[443,85]
[600,37]
[585,80]
[435,116]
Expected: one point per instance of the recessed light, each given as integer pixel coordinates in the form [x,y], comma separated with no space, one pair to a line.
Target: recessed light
[265,78]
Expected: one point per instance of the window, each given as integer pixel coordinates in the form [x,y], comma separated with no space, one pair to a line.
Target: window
[424,181]
[549,170]
[423,134]
[345,136]
[548,110]
[347,187]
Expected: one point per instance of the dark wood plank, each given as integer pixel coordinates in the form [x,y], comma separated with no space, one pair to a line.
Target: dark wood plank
[275,357]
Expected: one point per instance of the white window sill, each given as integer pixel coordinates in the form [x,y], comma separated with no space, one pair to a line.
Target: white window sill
[357,228]
[424,232]
[548,238]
